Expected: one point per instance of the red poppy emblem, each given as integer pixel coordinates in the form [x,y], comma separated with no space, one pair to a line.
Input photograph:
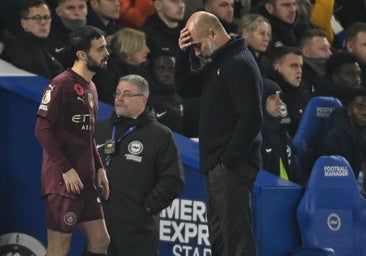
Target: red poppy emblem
[79,89]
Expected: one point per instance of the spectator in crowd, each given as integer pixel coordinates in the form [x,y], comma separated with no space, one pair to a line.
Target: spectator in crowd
[72,169]
[104,14]
[167,104]
[229,127]
[286,62]
[144,169]
[28,51]
[128,53]
[224,10]
[282,16]
[303,18]
[162,28]
[342,73]
[356,44]
[315,49]
[347,134]
[278,154]
[257,31]
[133,14]
[69,15]
[241,7]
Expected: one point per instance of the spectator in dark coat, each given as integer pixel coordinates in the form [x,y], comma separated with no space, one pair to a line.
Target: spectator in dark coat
[315,49]
[347,134]
[68,15]
[257,31]
[29,50]
[283,19]
[355,44]
[286,71]
[162,28]
[278,154]
[224,11]
[342,73]
[104,14]
[168,105]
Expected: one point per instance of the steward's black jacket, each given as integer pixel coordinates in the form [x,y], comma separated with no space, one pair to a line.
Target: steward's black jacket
[145,174]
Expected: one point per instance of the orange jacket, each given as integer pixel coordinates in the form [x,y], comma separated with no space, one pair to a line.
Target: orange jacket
[133,13]
[321,15]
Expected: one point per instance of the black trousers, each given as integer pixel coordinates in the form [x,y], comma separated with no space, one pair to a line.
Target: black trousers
[229,213]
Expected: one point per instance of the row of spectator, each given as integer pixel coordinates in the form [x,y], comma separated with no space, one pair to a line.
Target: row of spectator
[283,35]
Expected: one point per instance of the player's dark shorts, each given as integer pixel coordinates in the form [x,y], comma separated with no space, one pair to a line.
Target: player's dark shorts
[64,214]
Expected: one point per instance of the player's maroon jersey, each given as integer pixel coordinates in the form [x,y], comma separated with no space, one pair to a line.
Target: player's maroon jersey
[65,129]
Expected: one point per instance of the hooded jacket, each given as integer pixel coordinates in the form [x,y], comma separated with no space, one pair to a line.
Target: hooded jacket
[277,143]
[145,174]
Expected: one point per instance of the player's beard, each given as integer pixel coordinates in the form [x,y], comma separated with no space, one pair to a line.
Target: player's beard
[94,66]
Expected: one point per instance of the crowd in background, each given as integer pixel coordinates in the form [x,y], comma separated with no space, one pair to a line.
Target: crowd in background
[307,48]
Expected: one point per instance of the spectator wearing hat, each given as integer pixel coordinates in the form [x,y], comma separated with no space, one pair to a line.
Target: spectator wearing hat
[278,154]
[342,73]
[347,134]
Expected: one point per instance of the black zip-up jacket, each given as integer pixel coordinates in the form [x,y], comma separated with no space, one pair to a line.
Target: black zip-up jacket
[29,52]
[145,175]
[277,144]
[161,39]
[231,113]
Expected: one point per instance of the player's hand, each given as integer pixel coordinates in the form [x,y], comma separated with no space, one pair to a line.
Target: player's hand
[102,181]
[185,39]
[72,181]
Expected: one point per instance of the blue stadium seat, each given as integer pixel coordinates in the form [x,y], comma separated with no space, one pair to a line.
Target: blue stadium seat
[332,212]
[313,122]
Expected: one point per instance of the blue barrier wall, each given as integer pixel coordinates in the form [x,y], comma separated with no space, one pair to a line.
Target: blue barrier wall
[183,229]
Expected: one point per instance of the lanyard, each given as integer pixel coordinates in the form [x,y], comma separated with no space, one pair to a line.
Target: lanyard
[123,135]
[109,146]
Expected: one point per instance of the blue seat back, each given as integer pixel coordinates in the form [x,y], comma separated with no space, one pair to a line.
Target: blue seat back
[313,122]
[332,212]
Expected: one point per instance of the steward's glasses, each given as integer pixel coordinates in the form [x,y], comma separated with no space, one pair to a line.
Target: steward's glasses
[126,95]
[38,18]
